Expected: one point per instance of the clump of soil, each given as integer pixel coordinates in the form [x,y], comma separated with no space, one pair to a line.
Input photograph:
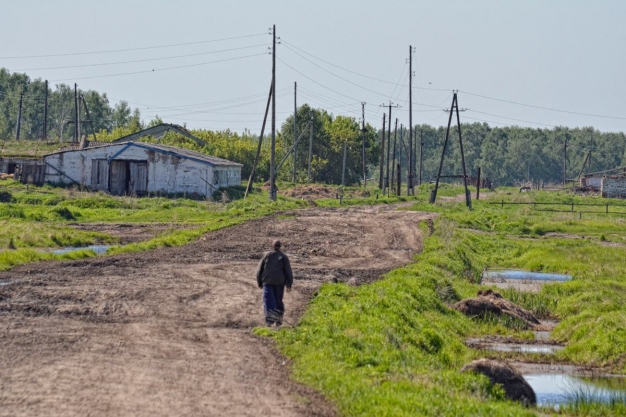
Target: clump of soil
[309,192]
[491,303]
[515,386]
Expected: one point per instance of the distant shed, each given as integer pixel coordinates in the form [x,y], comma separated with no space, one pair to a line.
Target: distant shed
[138,168]
[28,170]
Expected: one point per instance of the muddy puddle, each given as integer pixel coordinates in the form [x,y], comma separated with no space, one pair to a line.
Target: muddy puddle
[554,390]
[521,280]
[99,249]
[536,348]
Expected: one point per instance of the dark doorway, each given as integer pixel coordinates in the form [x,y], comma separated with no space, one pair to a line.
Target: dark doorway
[11,168]
[128,177]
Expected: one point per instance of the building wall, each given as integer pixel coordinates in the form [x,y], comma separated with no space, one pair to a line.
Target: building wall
[595,182]
[614,187]
[166,173]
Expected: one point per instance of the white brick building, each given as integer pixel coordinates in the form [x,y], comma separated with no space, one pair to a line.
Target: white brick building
[138,168]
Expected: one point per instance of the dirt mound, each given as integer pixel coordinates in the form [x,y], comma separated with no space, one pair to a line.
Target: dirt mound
[515,386]
[313,192]
[489,302]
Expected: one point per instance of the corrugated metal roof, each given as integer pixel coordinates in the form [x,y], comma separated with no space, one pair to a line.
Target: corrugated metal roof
[183,153]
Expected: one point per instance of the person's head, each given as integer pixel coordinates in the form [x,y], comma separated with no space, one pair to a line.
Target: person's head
[276,244]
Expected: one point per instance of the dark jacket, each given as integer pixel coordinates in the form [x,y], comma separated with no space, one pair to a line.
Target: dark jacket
[274,269]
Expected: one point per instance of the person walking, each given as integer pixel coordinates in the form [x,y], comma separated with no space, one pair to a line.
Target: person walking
[272,275]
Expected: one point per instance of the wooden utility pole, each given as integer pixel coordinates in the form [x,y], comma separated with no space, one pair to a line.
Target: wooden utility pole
[272,195]
[468,197]
[295,126]
[382,157]
[364,162]
[45,113]
[393,164]
[411,180]
[89,119]
[19,117]
[308,175]
[433,195]
[386,180]
[400,158]
[76,138]
[258,149]
[343,169]
[399,175]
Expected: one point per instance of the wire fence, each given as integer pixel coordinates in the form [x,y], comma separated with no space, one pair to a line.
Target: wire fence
[602,208]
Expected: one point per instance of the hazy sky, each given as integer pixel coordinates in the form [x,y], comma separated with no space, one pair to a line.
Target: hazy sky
[566,55]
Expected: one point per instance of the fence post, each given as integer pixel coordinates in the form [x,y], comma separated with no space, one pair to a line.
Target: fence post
[572,206]
[580,215]
[607,208]
[502,203]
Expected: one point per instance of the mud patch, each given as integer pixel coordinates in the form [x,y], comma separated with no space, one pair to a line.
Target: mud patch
[488,304]
[130,233]
[515,386]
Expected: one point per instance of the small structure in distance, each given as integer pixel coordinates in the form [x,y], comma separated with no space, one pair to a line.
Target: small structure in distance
[610,183]
[140,168]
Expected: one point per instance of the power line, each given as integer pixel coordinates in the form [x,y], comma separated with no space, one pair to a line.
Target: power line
[159,69]
[209,103]
[133,49]
[138,60]
[543,108]
[344,95]
[510,118]
[288,44]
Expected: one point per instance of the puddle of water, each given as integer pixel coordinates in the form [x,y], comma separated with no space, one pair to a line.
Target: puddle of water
[511,274]
[522,348]
[541,349]
[99,249]
[553,390]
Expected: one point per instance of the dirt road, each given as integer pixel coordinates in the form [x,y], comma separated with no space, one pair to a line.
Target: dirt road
[168,332]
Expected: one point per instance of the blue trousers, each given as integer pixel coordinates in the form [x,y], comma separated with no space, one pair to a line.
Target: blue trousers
[273,303]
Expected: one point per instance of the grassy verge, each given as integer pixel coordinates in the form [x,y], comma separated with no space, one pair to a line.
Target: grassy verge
[395,347]
[37,218]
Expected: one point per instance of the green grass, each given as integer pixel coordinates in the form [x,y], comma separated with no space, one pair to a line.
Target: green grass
[38,218]
[395,347]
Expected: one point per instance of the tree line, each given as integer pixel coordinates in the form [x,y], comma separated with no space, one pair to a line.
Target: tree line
[507,155]
[104,116]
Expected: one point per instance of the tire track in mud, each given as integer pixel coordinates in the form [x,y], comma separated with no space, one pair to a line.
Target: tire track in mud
[168,332]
